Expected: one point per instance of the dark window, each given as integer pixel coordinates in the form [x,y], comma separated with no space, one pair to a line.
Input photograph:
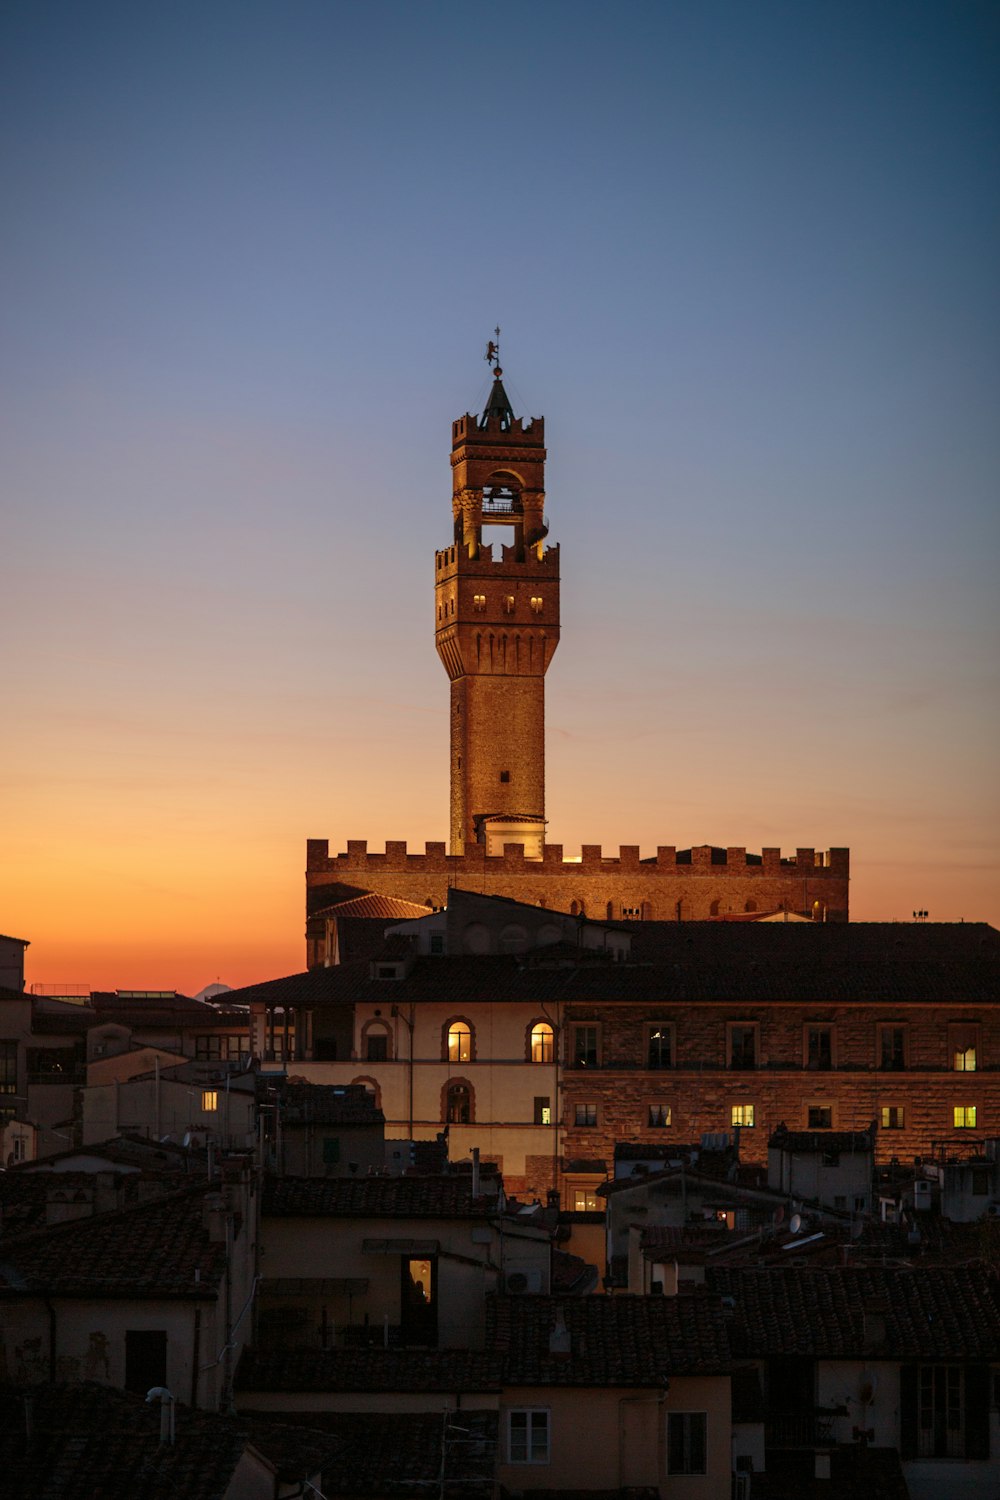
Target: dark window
[820,1117]
[819,1048]
[686,1442]
[8,1067]
[585,1046]
[458,1104]
[980,1181]
[145,1359]
[377,1046]
[660,1048]
[504,776]
[543,1109]
[892,1048]
[437,942]
[742,1046]
[586,1114]
[331,1150]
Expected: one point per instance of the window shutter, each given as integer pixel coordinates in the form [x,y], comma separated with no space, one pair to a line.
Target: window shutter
[907,1411]
[977,1411]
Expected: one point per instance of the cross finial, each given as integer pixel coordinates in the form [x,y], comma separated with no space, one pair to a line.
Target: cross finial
[492,355]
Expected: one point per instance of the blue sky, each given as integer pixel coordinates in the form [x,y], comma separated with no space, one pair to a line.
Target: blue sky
[745,262]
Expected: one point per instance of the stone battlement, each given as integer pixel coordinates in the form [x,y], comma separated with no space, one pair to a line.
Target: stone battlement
[448,558]
[529,430]
[816,863]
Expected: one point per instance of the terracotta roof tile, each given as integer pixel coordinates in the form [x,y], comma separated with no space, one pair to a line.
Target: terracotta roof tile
[152,1249]
[615,1341]
[327,1104]
[375,1197]
[929,1312]
[366,1370]
[91,1440]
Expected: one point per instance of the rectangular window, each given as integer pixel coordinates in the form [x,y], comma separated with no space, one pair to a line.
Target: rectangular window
[585,1114]
[658,1116]
[536,604]
[819,1117]
[965,1117]
[892,1048]
[331,1150]
[687,1445]
[742,1114]
[819,1048]
[528,1436]
[980,1182]
[209,1100]
[743,1044]
[940,1418]
[377,1046]
[586,1201]
[437,942]
[660,1046]
[585,1053]
[963,1046]
[543,1109]
[8,1067]
[145,1359]
[892,1117]
[479,603]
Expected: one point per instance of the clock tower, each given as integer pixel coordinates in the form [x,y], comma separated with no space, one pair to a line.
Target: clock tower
[497,626]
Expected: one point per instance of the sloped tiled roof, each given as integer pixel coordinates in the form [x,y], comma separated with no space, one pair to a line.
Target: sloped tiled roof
[150,1250]
[388,908]
[89,1440]
[328,1104]
[929,1313]
[363,1370]
[364,1463]
[616,1341]
[695,962]
[375,1197]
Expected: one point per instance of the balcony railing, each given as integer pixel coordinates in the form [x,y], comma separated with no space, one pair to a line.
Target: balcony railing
[809,1429]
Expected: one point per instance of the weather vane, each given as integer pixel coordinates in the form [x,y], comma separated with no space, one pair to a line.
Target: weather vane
[492,355]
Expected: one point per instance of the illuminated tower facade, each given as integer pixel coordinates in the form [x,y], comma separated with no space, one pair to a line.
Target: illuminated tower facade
[497,626]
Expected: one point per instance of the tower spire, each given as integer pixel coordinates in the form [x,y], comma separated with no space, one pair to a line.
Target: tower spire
[498,407]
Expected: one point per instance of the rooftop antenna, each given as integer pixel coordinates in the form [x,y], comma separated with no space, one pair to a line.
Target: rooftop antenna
[492,355]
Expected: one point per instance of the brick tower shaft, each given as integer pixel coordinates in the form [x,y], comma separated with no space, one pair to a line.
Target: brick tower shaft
[497,627]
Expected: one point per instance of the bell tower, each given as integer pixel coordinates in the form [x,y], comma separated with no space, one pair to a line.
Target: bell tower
[497,626]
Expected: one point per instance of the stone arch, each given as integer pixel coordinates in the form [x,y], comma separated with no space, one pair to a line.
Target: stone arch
[376,1026]
[371,1085]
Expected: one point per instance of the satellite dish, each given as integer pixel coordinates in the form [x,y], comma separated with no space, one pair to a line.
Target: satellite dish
[187,1138]
[795,1223]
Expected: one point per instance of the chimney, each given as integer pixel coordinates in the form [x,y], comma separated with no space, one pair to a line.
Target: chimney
[213,1217]
[560,1344]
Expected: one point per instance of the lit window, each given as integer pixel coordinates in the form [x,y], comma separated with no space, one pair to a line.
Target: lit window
[542,1043]
[536,604]
[658,1117]
[963,1043]
[209,1100]
[543,1109]
[586,1114]
[528,1436]
[742,1114]
[508,604]
[687,1445]
[459,1042]
[892,1117]
[965,1117]
[479,603]
[458,1104]
[586,1201]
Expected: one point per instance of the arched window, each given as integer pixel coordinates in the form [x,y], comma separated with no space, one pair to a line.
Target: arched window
[376,1041]
[370,1085]
[576,909]
[713,910]
[458,1102]
[542,1042]
[750,906]
[458,1041]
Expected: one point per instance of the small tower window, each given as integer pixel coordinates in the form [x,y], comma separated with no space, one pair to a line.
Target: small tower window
[508,604]
[479,603]
[536,603]
[504,776]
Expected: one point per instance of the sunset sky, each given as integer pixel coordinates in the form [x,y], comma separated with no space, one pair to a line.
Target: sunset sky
[745,259]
